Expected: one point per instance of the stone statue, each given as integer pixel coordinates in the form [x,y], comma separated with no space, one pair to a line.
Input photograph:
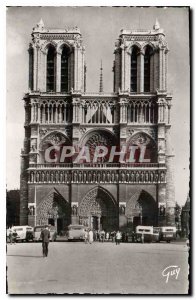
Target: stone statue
[146,177]
[142,177]
[103,176]
[162,177]
[98,177]
[47,176]
[43,177]
[37,176]
[65,177]
[89,177]
[61,176]
[122,209]
[108,177]
[137,176]
[151,177]
[52,177]
[132,177]
[80,176]
[74,210]
[32,177]
[84,177]
[122,177]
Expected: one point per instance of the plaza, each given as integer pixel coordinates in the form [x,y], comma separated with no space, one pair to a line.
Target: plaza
[100,268]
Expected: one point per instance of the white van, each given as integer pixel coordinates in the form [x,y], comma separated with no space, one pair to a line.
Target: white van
[168,233]
[144,233]
[76,232]
[24,233]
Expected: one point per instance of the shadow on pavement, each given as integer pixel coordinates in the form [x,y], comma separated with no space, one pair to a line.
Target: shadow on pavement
[35,256]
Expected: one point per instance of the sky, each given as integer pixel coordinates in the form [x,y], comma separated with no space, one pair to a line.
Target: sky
[100,28]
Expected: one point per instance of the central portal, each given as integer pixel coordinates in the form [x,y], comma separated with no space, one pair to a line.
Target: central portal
[98,210]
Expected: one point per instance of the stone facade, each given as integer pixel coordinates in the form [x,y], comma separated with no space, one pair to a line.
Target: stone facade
[59,112]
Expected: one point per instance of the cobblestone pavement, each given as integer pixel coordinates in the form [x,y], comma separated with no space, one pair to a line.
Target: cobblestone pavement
[76,267]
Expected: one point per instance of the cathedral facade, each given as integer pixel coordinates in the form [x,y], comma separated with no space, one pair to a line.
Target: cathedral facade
[59,113]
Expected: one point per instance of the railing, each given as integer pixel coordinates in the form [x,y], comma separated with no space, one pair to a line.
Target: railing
[95,165]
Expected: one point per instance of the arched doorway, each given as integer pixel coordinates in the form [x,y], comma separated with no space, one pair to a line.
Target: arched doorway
[98,210]
[142,209]
[53,210]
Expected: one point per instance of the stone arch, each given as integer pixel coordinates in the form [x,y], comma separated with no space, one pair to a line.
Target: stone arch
[54,138]
[142,204]
[148,44]
[140,139]
[135,44]
[53,207]
[99,137]
[47,44]
[90,132]
[61,44]
[99,203]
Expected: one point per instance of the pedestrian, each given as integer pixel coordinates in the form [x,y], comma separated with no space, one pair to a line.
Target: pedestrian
[45,236]
[85,236]
[118,237]
[142,238]
[10,236]
[107,236]
[102,234]
[90,236]
[14,236]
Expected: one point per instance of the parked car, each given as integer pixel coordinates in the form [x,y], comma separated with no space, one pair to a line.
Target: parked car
[38,229]
[23,233]
[168,233]
[76,232]
[144,233]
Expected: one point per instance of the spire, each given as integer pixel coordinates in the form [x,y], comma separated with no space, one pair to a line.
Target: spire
[101,79]
[41,23]
[156,25]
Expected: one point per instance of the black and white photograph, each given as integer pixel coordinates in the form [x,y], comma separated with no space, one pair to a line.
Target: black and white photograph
[98,150]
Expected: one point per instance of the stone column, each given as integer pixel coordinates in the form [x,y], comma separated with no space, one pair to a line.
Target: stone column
[123,68]
[35,67]
[161,60]
[161,201]
[58,72]
[140,61]
[170,189]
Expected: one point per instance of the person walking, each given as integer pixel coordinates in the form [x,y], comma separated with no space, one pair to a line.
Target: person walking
[90,236]
[85,236]
[118,237]
[107,236]
[45,236]
[10,236]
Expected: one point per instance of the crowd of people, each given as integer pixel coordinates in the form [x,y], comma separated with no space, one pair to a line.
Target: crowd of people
[12,236]
[102,236]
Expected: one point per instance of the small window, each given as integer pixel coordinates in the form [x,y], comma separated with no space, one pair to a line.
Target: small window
[51,69]
[147,70]
[64,69]
[134,69]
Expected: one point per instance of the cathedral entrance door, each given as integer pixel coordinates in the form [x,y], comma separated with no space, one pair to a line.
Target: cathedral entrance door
[94,223]
[102,209]
[59,225]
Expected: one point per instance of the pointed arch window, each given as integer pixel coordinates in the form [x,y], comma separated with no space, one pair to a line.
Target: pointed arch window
[134,69]
[147,70]
[51,69]
[64,69]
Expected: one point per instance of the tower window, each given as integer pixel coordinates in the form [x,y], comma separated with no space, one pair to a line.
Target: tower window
[51,69]
[64,69]
[147,70]
[134,70]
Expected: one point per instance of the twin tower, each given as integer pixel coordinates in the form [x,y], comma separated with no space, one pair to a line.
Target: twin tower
[60,112]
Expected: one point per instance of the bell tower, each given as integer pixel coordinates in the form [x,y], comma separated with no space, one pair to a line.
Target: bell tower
[140,78]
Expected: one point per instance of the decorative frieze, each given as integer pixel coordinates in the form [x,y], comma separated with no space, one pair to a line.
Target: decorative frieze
[98,176]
